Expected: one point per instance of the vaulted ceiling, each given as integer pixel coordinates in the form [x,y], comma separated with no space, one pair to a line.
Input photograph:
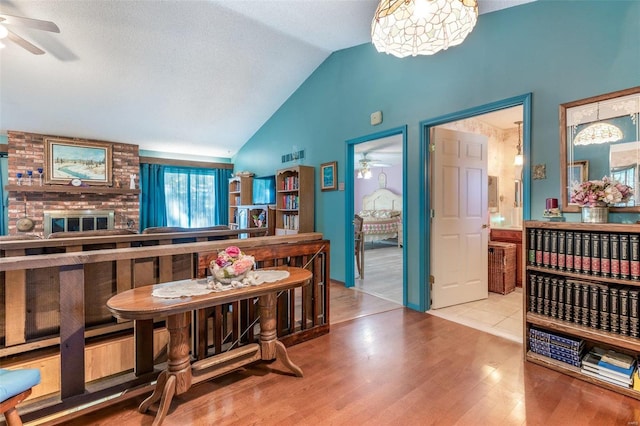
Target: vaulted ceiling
[180,76]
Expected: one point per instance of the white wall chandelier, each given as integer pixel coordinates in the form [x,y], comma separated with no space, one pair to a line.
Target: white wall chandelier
[421,27]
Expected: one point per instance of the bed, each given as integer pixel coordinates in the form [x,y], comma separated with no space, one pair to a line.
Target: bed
[382,215]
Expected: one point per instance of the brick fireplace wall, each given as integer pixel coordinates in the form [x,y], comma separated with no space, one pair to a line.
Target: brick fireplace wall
[26,152]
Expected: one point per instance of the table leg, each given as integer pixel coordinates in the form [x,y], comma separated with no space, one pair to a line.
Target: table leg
[270,347]
[177,378]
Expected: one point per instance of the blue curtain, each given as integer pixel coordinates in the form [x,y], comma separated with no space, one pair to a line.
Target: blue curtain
[153,210]
[221,213]
[4,177]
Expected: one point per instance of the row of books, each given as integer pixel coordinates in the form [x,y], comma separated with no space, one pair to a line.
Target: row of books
[290,221]
[613,308]
[601,254]
[290,202]
[610,366]
[290,183]
[561,348]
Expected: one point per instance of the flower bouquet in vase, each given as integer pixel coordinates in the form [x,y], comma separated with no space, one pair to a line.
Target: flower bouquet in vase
[231,265]
[596,196]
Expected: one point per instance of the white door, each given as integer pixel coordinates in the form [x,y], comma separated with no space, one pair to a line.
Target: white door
[459,231]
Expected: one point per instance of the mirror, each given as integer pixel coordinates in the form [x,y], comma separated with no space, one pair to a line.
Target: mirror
[600,136]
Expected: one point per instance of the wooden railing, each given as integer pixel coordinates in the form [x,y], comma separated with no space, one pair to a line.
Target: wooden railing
[54,316]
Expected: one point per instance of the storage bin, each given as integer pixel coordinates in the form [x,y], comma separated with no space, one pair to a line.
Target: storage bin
[502,267]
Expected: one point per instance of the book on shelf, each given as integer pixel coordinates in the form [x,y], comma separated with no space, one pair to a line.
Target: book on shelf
[546,248]
[577,252]
[634,256]
[604,378]
[605,256]
[596,257]
[561,250]
[618,359]
[586,253]
[625,267]
[615,255]
[553,248]
[538,261]
[569,251]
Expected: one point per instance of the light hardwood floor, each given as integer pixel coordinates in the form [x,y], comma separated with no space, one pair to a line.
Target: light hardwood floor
[398,367]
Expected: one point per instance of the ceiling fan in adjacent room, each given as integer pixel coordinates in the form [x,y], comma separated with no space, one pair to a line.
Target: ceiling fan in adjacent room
[364,172]
[10,21]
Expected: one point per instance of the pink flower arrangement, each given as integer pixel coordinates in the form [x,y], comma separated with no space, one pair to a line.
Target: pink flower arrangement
[231,263]
[600,192]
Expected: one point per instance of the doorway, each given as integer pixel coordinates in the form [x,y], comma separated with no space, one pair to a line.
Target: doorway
[510,207]
[375,186]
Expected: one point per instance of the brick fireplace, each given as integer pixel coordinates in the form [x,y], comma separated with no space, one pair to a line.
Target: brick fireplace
[26,152]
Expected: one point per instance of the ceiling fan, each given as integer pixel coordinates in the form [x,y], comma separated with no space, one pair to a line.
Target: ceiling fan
[19,21]
[366,162]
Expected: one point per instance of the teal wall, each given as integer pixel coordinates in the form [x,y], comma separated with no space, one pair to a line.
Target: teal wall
[559,51]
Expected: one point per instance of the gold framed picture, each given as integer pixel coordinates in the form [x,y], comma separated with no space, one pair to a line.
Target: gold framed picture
[67,160]
[329,176]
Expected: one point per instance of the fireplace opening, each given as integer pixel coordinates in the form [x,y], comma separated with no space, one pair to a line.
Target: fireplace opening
[77,220]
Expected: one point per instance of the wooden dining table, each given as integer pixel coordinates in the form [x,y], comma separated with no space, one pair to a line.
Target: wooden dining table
[181,373]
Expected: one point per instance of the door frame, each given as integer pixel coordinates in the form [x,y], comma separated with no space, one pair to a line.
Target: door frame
[349,202]
[425,177]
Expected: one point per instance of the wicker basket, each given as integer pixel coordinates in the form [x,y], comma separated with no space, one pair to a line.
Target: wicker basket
[502,267]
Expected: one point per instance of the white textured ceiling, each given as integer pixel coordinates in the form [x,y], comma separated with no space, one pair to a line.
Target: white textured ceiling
[179,76]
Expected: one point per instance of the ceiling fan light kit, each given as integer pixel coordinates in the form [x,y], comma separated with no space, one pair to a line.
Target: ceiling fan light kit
[19,21]
[422,27]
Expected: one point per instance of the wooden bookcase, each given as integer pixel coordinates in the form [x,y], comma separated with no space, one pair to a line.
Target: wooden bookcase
[240,193]
[597,323]
[295,200]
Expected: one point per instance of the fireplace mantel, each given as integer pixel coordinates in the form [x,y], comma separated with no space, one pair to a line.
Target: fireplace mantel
[71,189]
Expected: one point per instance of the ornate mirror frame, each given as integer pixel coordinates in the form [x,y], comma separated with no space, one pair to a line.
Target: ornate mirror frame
[566,159]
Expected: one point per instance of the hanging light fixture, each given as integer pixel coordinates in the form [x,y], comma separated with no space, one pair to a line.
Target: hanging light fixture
[365,171]
[519,160]
[421,27]
[598,132]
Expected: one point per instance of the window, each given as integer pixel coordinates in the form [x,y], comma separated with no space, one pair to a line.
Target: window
[190,197]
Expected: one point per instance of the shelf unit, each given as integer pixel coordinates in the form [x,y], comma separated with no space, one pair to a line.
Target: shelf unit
[240,193]
[295,200]
[545,257]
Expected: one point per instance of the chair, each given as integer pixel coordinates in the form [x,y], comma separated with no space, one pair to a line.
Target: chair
[359,244]
[15,387]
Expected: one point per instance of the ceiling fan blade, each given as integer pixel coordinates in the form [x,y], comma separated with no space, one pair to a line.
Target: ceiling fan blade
[38,24]
[25,44]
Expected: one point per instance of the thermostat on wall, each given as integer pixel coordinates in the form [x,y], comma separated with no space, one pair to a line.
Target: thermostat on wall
[376,118]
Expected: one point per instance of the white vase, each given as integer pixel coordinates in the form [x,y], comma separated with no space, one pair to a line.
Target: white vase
[595,214]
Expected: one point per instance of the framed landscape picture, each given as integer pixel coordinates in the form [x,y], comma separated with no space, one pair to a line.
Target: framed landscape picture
[87,162]
[329,176]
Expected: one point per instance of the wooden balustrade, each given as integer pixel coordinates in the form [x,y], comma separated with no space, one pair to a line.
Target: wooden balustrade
[53,294]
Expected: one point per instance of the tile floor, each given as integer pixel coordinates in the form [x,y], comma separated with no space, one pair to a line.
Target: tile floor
[500,315]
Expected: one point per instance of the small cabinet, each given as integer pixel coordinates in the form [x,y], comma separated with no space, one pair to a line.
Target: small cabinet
[240,193]
[511,236]
[295,200]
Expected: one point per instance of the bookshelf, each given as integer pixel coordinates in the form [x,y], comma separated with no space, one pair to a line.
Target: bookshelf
[240,193]
[582,281]
[295,200]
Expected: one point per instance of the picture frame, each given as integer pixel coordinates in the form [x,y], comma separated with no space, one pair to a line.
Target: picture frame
[66,160]
[329,176]
[577,171]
